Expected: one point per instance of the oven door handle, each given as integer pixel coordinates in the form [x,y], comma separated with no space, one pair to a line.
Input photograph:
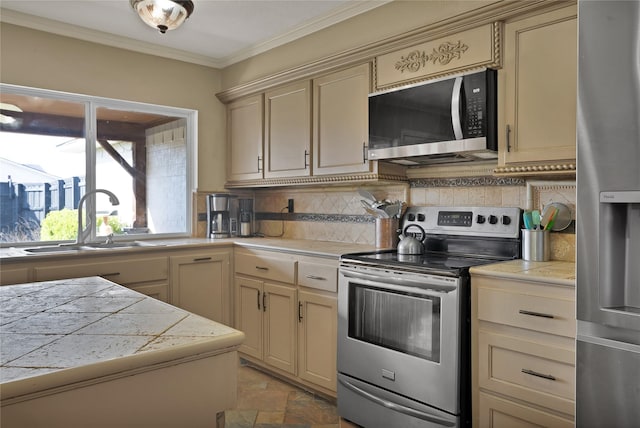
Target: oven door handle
[390,282]
[397,407]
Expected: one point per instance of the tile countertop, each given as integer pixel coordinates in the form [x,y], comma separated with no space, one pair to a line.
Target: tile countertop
[553,272]
[299,246]
[57,333]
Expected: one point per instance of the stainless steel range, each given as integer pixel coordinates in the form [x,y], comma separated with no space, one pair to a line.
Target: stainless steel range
[403,328]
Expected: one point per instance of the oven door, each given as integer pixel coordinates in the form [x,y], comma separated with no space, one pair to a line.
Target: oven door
[401,332]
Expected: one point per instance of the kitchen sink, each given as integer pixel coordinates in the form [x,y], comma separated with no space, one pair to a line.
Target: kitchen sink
[89,246]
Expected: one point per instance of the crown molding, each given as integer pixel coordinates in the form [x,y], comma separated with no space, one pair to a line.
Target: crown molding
[94,36]
[82,33]
[341,14]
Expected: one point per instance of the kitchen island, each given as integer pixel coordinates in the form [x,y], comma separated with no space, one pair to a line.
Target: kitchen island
[89,352]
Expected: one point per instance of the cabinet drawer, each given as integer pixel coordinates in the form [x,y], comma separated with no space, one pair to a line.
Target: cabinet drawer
[541,313]
[531,371]
[499,413]
[281,269]
[121,272]
[319,276]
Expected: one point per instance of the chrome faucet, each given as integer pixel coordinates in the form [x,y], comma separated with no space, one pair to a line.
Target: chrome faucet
[83,234]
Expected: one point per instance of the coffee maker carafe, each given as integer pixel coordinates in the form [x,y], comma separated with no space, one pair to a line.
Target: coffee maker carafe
[218,215]
[246,216]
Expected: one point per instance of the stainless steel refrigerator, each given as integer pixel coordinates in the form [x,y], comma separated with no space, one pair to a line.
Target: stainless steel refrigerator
[608,215]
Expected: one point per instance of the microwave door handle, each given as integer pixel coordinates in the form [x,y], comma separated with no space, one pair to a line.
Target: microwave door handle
[456,119]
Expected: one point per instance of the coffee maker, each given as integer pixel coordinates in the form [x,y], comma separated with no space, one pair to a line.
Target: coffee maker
[220,221]
[245,207]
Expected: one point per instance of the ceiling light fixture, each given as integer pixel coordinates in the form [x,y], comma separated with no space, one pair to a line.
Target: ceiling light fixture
[163,14]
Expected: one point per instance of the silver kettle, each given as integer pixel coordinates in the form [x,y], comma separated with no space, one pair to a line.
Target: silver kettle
[409,245]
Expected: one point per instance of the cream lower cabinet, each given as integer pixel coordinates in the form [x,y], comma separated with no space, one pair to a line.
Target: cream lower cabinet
[200,283]
[537,108]
[265,307]
[523,353]
[147,274]
[14,274]
[317,338]
[265,312]
[286,304]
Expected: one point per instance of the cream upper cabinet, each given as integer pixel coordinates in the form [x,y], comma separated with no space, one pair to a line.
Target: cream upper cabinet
[245,138]
[341,121]
[200,283]
[537,109]
[288,131]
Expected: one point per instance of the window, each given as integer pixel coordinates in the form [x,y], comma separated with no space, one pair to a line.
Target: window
[57,149]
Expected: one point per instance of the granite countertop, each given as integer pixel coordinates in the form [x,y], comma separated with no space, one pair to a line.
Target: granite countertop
[55,333]
[553,272]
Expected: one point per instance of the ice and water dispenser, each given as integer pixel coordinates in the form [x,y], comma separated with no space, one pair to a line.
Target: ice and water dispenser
[619,251]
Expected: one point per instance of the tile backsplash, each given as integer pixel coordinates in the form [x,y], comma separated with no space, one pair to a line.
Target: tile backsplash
[335,213]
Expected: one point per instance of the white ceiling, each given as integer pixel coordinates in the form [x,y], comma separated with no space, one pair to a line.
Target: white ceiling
[218,33]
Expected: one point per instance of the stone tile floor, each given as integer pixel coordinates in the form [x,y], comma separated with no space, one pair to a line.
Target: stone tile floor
[267,402]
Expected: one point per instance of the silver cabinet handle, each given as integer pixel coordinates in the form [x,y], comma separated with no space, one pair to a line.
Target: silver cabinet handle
[306,156]
[259,163]
[508,142]
[365,158]
[536,374]
[318,278]
[299,311]
[264,301]
[258,299]
[535,314]
[262,268]
[202,259]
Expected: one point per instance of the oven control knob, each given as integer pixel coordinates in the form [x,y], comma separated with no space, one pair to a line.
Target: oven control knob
[480,219]
[411,217]
[493,219]
[421,217]
[506,220]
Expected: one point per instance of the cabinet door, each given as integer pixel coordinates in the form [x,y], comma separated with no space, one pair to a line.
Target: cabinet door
[341,121]
[200,284]
[157,291]
[249,315]
[539,78]
[288,131]
[245,136]
[14,275]
[279,327]
[500,413]
[317,338]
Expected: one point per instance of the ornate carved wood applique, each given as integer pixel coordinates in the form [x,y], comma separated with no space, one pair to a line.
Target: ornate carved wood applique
[443,54]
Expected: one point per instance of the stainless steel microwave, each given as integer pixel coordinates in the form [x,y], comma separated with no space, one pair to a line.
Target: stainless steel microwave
[447,120]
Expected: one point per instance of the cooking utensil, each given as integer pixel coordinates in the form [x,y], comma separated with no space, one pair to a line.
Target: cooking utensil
[535,216]
[367,195]
[546,217]
[378,213]
[563,218]
[527,218]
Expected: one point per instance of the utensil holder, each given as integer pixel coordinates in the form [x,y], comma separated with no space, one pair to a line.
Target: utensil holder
[386,232]
[535,245]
